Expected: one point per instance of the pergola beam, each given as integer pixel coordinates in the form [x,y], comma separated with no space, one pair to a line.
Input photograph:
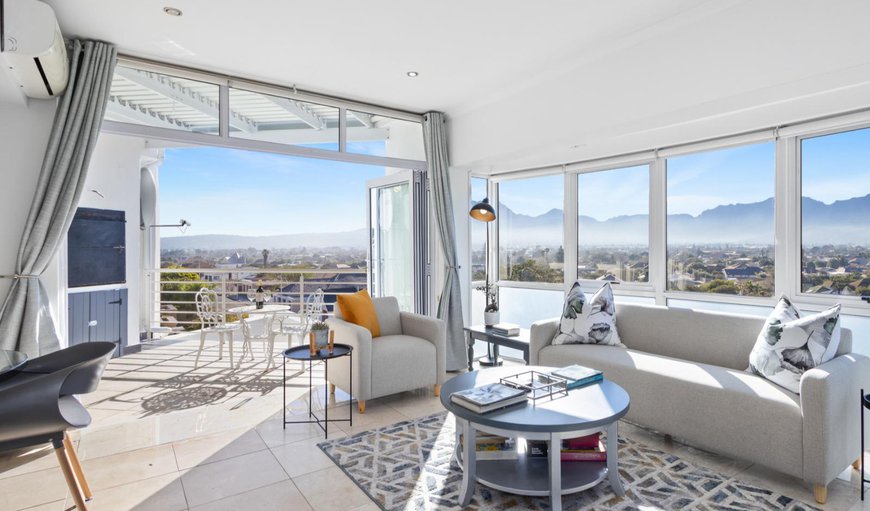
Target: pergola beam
[165,87]
[301,111]
[119,108]
[365,119]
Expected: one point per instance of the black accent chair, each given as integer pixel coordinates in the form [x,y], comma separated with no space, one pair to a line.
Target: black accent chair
[37,405]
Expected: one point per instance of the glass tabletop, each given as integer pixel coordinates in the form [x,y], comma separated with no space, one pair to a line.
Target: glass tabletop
[10,360]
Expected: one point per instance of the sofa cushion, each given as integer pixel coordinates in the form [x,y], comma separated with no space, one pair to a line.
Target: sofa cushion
[712,407]
[592,322]
[400,363]
[389,317]
[359,309]
[790,344]
[699,336]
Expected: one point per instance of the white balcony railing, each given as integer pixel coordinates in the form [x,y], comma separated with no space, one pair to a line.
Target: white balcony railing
[171,292]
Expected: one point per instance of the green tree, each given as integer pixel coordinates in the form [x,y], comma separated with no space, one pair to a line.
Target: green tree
[181,287]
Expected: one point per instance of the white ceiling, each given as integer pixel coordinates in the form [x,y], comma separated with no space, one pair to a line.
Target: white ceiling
[465,51]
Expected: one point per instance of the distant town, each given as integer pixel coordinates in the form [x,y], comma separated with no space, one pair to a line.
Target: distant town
[746,270]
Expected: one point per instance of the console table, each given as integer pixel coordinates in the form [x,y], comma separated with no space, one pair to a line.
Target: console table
[486,334]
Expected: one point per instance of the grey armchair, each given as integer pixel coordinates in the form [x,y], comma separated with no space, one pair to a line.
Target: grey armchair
[409,354]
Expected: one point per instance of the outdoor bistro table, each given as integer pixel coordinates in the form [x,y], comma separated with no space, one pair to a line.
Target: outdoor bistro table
[303,353]
[252,309]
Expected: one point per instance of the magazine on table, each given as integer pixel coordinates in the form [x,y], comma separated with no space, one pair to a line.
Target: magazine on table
[488,397]
[579,376]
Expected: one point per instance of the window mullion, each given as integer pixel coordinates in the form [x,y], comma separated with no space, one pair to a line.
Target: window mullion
[570,239]
[787,210]
[658,253]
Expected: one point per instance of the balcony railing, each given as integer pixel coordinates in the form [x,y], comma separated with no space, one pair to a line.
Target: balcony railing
[172,291]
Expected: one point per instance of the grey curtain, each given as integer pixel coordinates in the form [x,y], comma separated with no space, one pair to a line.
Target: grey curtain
[25,319]
[450,305]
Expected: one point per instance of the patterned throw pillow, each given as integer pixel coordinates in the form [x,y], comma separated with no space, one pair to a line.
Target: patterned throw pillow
[789,344]
[592,322]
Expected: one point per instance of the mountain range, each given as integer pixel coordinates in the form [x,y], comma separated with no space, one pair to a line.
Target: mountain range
[844,221]
[348,239]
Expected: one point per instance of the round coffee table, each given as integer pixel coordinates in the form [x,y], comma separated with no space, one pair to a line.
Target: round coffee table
[583,411]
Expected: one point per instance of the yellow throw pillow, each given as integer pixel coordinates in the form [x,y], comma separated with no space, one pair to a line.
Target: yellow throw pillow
[359,309]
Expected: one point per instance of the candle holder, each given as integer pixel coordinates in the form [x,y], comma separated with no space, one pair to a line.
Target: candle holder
[331,341]
[312,343]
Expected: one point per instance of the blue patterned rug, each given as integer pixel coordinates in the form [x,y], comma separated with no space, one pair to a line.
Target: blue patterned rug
[408,466]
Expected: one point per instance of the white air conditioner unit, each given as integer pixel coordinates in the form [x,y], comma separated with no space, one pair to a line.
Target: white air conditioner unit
[33,48]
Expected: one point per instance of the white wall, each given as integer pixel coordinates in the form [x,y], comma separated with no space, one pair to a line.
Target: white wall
[24,131]
[115,172]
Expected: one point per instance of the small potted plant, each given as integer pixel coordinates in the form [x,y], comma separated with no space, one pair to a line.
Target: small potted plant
[490,312]
[320,335]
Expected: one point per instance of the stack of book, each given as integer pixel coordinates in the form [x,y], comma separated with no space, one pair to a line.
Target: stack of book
[494,447]
[487,398]
[586,448]
[506,329]
[579,376]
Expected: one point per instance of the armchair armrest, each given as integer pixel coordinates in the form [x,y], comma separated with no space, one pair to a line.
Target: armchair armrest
[830,406]
[433,330]
[541,334]
[360,339]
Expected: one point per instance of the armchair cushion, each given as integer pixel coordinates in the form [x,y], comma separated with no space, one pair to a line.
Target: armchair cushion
[359,309]
[397,364]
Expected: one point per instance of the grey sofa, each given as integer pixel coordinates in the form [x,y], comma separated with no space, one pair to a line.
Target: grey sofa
[410,353]
[685,371]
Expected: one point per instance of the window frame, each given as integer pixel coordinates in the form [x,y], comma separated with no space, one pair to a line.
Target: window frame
[787,214]
[223,138]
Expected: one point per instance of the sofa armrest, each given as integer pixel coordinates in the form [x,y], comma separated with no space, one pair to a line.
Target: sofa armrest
[541,334]
[433,330]
[360,338]
[830,406]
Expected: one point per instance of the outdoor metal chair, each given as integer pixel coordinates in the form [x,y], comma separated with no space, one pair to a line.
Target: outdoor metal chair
[212,320]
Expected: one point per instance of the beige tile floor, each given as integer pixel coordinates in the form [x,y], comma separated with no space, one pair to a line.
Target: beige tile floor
[168,437]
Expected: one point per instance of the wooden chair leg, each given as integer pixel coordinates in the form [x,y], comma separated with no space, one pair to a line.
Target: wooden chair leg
[332,388]
[77,467]
[437,389]
[820,492]
[362,407]
[71,481]
[857,464]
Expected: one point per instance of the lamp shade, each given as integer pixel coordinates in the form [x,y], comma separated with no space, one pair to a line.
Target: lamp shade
[483,211]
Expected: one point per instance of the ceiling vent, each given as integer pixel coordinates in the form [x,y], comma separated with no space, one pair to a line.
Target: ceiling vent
[32,48]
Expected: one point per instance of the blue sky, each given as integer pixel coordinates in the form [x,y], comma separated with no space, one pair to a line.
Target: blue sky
[835,167]
[227,191]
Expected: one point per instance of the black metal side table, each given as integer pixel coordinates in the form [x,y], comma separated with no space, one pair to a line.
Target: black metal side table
[303,353]
[865,403]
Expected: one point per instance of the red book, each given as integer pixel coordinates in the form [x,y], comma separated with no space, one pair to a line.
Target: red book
[589,455]
[583,442]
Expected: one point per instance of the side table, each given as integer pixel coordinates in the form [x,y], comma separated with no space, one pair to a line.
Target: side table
[303,353]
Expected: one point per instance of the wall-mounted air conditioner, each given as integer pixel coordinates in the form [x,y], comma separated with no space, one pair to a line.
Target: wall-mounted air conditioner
[32,48]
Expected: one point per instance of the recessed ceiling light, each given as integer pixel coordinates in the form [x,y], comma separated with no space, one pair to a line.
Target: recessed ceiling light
[172,11]
[412,74]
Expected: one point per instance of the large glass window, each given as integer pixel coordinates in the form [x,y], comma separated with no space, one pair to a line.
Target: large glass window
[267,118]
[163,101]
[530,223]
[721,221]
[613,225]
[835,210]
